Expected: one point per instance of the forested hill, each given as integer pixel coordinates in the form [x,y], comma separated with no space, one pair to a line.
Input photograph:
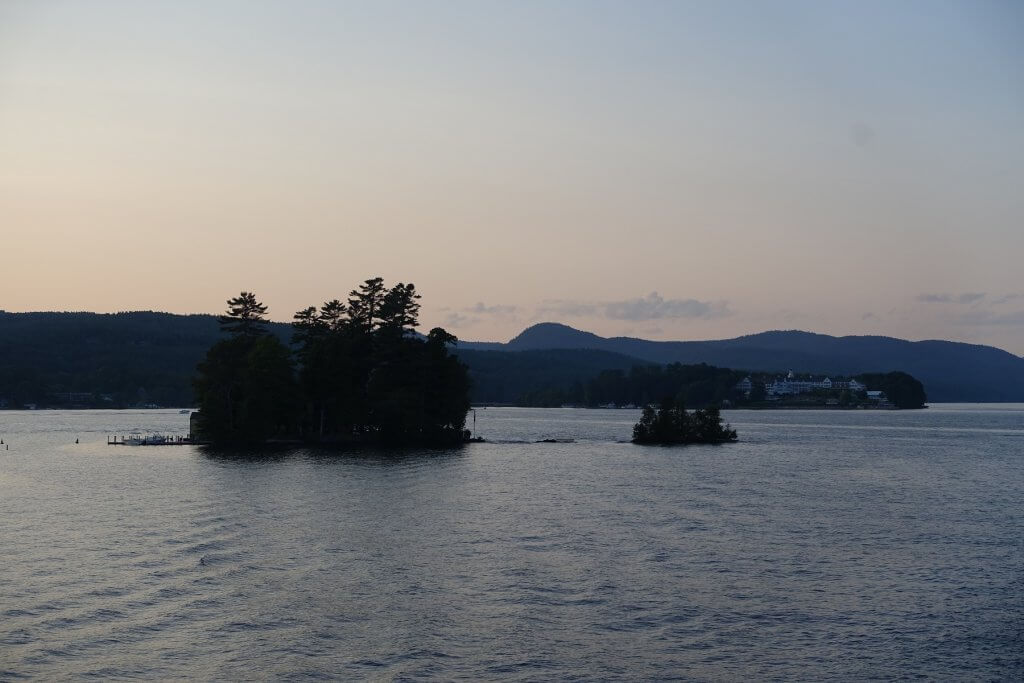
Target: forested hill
[541,377]
[143,357]
[121,358]
[950,371]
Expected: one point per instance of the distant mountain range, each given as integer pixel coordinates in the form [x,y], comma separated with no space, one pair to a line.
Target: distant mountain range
[950,371]
[146,357]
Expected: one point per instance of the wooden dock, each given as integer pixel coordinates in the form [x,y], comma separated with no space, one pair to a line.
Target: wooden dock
[150,440]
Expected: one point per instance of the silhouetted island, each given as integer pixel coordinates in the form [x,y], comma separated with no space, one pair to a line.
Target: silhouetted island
[671,424]
[359,374]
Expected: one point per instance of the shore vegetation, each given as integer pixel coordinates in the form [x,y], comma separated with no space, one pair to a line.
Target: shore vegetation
[358,372]
[671,424]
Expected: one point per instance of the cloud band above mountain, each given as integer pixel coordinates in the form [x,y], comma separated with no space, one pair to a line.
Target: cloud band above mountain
[965,298]
[650,307]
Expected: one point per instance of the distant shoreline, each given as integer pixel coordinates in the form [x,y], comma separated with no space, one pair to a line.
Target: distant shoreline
[782,407]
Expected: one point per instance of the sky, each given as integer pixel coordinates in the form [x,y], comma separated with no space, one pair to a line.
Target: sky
[668,170]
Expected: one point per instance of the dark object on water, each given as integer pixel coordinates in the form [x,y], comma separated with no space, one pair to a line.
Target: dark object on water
[557,441]
[671,424]
[76,440]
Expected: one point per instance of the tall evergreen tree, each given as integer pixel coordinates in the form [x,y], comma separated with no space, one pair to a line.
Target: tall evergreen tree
[334,315]
[399,311]
[364,304]
[246,386]
[245,316]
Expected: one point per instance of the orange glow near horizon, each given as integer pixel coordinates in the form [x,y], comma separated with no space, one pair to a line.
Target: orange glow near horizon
[661,171]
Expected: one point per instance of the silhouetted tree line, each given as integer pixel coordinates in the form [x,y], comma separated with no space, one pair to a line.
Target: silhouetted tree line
[671,424]
[694,385]
[706,385]
[697,385]
[109,360]
[902,390]
[359,372]
[126,359]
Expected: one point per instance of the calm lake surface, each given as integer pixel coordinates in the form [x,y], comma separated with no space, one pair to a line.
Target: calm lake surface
[825,544]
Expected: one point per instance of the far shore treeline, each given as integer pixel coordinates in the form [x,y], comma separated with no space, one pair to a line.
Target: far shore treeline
[704,385]
[358,373]
[146,359]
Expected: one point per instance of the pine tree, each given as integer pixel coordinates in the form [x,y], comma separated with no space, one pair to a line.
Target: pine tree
[245,316]
[400,309]
[246,386]
[364,304]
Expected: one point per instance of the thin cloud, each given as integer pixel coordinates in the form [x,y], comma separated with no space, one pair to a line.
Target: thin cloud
[1006,298]
[498,310]
[651,307]
[459,320]
[965,298]
[655,307]
[475,314]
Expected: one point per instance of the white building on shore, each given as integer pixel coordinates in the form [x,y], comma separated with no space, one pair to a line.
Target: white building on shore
[790,386]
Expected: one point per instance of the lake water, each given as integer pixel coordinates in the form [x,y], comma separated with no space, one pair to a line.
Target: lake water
[825,544]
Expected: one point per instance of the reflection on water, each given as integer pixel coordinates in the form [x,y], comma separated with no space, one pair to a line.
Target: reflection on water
[825,544]
[383,456]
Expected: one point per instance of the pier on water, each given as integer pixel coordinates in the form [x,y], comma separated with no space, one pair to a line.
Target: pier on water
[149,440]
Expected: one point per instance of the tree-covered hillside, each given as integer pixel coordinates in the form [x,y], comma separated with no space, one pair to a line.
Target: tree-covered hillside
[595,378]
[950,371]
[111,360]
[539,378]
[124,359]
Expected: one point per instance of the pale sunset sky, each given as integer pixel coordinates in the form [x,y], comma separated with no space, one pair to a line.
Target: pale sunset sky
[669,170]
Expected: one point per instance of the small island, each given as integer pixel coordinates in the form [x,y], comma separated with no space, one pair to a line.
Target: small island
[359,373]
[670,424]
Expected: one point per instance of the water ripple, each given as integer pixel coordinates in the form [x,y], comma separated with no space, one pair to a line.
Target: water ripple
[885,546]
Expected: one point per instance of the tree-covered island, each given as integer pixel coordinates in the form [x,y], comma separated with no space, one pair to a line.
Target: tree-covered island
[358,373]
[671,424]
